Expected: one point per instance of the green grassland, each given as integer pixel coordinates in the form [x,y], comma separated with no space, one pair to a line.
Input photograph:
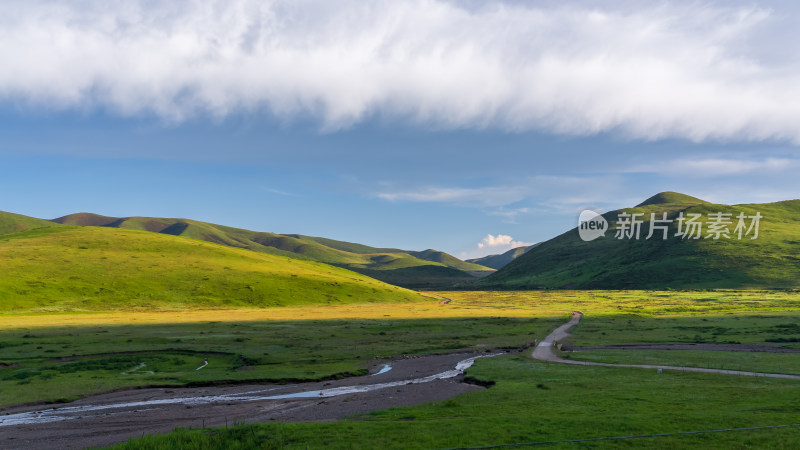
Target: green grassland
[788,363]
[535,402]
[728,327]
[767,318]
[531,400]
[680,317]
[425,269]
[566,261]
[16,223]
[635,303]
[91,268]
[49,364]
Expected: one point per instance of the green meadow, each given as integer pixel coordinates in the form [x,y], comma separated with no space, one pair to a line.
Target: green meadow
[788,363]
[763,317]
[59,364]
[728,327]
[44,361]
[539,402]
[531,401]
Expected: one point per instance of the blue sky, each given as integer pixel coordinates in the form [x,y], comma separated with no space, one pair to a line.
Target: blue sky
[418,124]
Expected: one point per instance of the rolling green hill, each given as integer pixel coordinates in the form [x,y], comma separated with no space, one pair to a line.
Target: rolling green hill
[448,260]
[675,199]
[349,247]
[15,223]
[426,269]
[67,268]
[501,260]
[567,262]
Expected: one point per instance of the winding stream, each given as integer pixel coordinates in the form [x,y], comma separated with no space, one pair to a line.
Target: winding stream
[84,411]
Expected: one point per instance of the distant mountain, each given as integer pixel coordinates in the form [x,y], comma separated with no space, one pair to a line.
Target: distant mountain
[672,198]
[71,268]
[568,262]
[425,269]
[87,220]
[501,260]
[448,260]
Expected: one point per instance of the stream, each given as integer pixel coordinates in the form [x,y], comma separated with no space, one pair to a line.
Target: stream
[86,411]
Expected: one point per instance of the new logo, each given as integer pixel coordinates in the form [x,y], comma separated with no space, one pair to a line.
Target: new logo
[591,225]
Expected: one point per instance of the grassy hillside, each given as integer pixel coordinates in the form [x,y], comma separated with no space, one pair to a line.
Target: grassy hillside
[92,268]
[448,260]
[15,223]
[501,260]
[350,247]
[568,262]
[672,198]
[87,220]
[426,269]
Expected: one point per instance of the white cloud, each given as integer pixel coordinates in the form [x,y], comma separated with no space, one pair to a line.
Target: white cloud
[689,70]
[494,241]
[491,245]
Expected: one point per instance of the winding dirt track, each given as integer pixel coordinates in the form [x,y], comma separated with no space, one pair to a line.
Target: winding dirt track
[544,352]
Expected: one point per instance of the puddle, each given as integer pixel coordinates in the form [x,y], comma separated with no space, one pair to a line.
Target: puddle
[384,369]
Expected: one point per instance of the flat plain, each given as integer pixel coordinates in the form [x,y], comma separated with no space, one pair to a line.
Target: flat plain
[57,357]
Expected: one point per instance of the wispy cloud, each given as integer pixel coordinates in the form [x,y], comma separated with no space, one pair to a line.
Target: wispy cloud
[688,70]
[710,167]
[511,215]
[550,192]
[479,197]
[278,192]
[731,193]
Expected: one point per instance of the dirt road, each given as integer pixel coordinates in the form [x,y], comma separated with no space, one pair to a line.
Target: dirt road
[743,348]
[545,352]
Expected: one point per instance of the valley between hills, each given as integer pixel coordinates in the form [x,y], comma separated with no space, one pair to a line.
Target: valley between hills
[163,333]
